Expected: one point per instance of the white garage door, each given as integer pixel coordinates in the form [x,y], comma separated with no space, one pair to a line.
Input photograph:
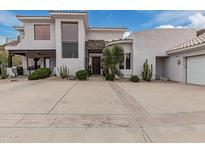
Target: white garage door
[196,70]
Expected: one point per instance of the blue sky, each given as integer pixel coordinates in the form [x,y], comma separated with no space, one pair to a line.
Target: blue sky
[133,20]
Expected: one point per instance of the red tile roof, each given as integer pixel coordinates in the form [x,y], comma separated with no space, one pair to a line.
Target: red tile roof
[198,40]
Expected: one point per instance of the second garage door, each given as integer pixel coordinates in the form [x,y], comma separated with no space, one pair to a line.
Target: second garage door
[196,70]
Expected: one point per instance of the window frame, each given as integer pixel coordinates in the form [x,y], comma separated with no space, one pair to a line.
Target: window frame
[72,41]
[42,25]
[124,61]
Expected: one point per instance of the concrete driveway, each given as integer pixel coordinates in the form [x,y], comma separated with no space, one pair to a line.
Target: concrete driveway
[99,111]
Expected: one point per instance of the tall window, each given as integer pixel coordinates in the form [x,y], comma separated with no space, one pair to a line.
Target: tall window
[41,32]
[122,63]
[128,60]
[126,63]
[69,39]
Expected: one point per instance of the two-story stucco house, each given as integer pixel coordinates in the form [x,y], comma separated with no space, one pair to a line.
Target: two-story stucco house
[65,38]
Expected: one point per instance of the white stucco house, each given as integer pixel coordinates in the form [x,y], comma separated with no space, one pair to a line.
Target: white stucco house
[65,38]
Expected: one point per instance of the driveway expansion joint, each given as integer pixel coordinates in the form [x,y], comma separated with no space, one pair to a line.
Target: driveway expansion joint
[136,110]
[69,89]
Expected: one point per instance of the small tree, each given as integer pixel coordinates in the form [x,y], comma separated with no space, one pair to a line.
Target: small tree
[3,71]
[3,62]
[16,59]
[118,55]
[3,57]
[112,56]
[147,71]
[107,62]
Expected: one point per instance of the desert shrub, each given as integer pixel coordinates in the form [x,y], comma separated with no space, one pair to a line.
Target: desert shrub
[82,75]
[40,73]
[3,71]
[134,78]
[63,72]
[89,72]
[110,77]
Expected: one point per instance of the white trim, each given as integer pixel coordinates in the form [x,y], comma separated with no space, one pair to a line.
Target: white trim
[119,42]
[107,29]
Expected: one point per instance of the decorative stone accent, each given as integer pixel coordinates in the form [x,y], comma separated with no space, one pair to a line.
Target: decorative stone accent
[72,77]
[94,44]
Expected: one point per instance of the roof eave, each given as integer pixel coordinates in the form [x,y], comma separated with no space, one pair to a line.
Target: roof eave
[29,18]
[202,45]
[107,29]
[121,41]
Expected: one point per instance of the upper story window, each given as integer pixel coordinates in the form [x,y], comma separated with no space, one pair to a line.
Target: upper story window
[41,32]
[69,39]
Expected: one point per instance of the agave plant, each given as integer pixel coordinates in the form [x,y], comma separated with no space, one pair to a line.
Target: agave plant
[63,72]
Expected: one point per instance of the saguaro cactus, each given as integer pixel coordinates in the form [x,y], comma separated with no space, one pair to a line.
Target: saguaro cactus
[147,71]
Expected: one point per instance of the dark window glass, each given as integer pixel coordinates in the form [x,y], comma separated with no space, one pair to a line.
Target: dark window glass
[69,31]
[69,39]
[128,60]
[42,32]
[70,50]
[122,64]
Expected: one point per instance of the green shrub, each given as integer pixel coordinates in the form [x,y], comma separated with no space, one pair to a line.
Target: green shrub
[3,71]
[134,78]
[110,77]
[82,74]
[63,72]
[40,73]
[89,72]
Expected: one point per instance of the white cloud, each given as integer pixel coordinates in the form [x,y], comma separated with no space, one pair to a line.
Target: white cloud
[174,17]
[8,19]
[165,26]
[169,26]
[170,18]
[196,20]
[126,34]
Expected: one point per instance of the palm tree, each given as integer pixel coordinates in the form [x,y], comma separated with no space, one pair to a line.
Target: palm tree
[107,60]
[112,56]
[118,55]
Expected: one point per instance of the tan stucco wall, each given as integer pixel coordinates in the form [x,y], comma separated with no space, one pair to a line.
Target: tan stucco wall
[104,35]
[152,43]
[177,72]
[74,64]
[28,41]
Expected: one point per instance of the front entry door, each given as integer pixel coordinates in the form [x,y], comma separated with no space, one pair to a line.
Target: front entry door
[96,65]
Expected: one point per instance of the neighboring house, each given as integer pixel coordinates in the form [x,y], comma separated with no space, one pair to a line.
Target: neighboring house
[4,40]
[64,38]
